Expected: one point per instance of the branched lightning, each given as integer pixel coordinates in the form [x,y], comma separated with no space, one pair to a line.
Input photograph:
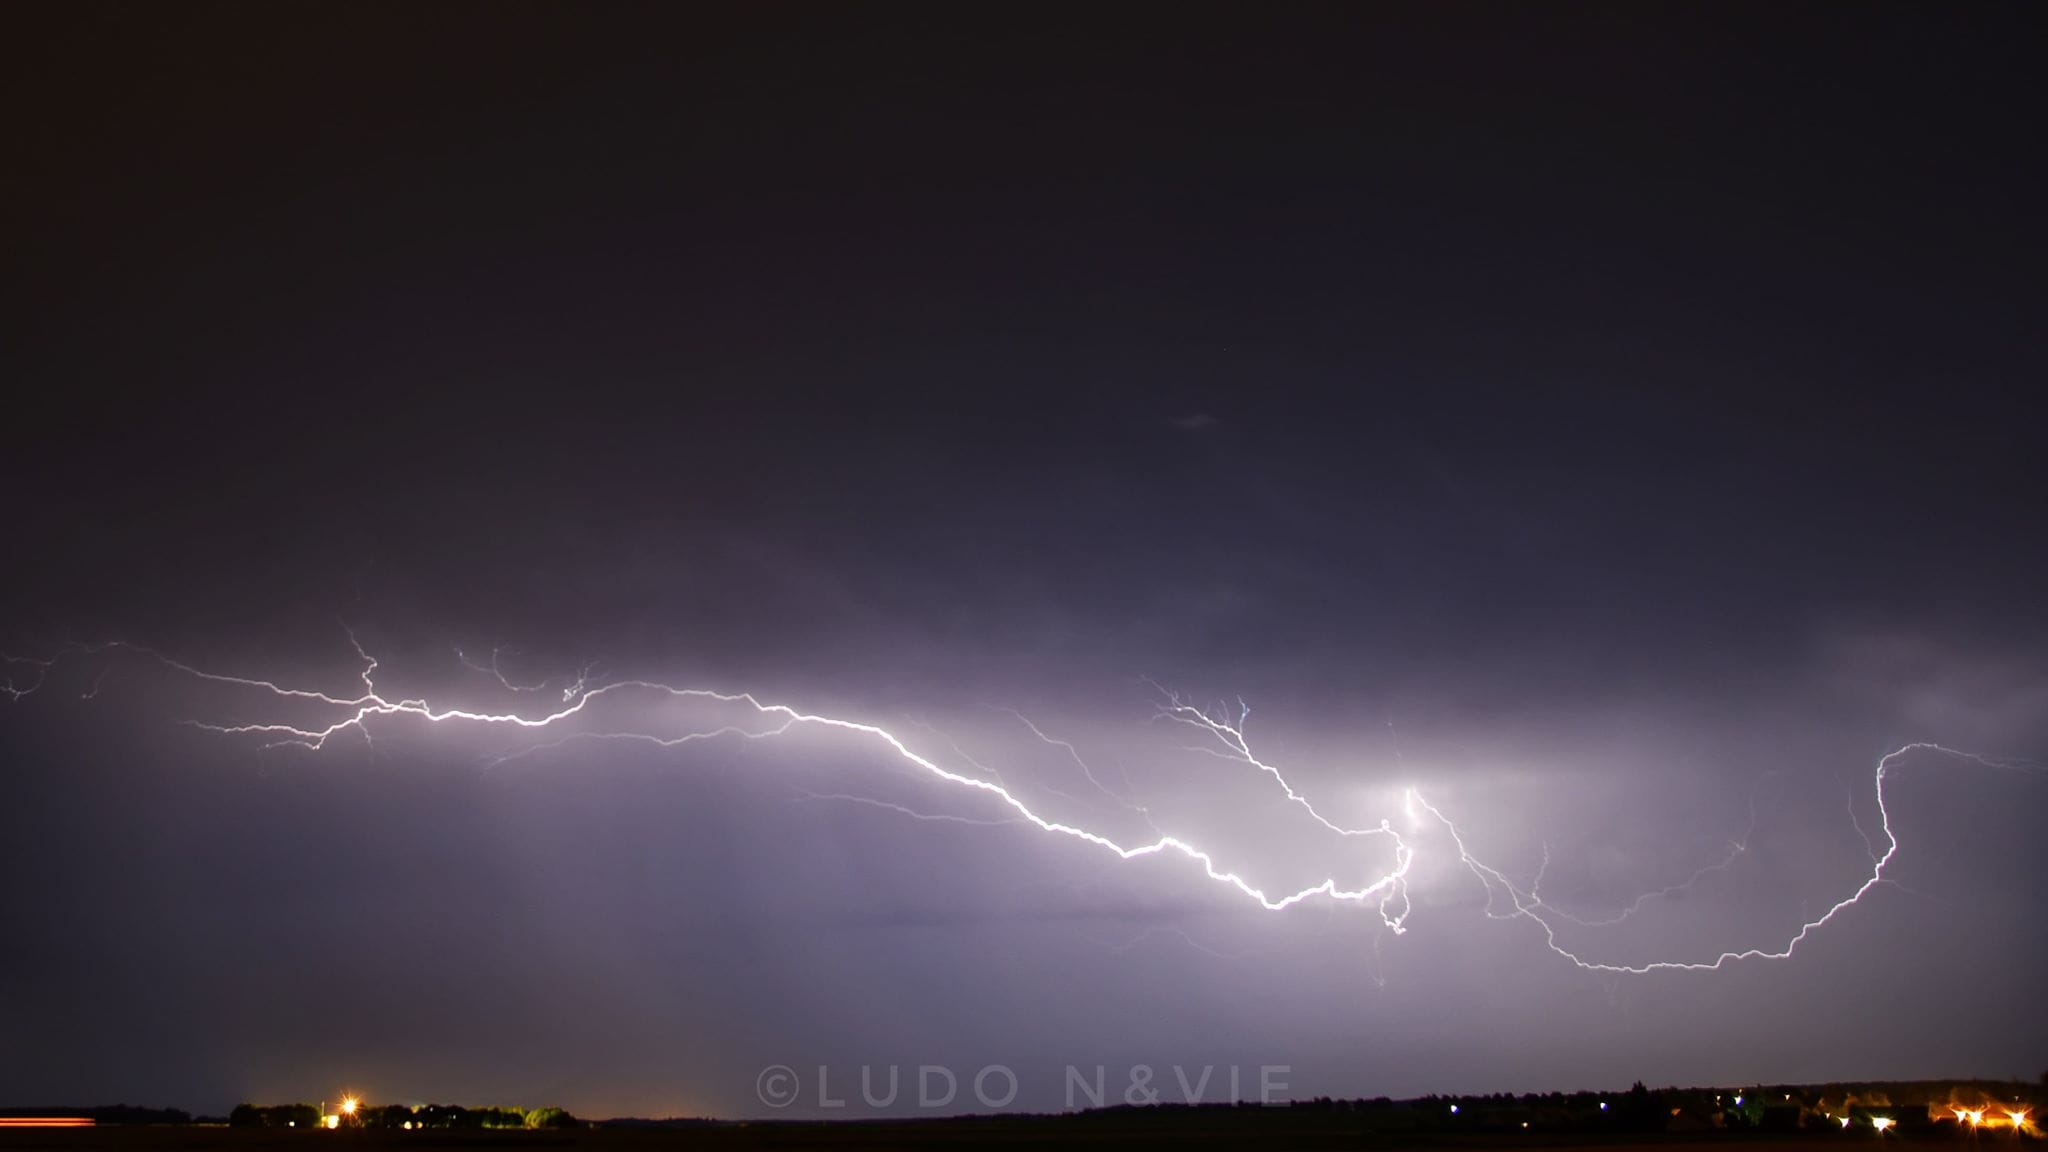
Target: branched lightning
[1230,744]
[1074,754]
[36,671]
[355,712]
[1526,906]
[571,689]
[905,809]
[708,714]
[1736,849]
[1856,822]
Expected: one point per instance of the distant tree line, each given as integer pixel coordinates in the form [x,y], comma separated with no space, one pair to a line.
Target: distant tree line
[401,1116]
[274,1116]
[1817,1109]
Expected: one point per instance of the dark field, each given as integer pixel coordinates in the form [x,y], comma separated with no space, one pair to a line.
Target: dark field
[1223,1129]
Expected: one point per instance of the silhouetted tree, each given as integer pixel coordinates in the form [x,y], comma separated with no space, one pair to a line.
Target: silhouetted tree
[1642,1110]
[275,1116]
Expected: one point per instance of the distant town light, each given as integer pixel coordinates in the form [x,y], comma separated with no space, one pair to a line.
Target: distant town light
[1845,1121]
[1880,1122]
[1454,1109]
[1603,1105]
[1738,1101]
[2019,1119]
[348,1105]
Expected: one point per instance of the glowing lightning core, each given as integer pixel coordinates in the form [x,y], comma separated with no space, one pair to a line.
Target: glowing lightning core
[1220,733]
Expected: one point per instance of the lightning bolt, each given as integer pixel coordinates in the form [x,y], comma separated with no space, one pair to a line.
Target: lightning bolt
[1526,906]
[1219,732]
[353,714]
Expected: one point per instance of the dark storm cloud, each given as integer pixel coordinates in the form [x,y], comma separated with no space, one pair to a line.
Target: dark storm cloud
[1605,417]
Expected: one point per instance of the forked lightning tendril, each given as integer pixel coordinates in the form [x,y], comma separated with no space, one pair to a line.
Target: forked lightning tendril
[1219,733]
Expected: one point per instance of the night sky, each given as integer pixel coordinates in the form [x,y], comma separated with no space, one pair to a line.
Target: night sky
[1614,422]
